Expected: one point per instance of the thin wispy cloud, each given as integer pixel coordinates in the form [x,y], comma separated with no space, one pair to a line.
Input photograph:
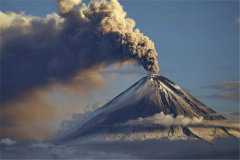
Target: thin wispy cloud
[226,90]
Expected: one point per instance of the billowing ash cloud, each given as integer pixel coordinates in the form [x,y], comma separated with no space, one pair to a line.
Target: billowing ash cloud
[36,51]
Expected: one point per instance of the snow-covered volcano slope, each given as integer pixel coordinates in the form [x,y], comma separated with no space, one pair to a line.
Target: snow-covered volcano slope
[149,96]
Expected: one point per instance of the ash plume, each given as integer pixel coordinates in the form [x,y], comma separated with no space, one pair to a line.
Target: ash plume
[36,51]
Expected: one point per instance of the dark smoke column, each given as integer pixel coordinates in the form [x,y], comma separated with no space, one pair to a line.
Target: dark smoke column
[116,34]
[150,63]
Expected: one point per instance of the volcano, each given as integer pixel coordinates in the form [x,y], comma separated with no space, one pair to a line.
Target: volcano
[153,95]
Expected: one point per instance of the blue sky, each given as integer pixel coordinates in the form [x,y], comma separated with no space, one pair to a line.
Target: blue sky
[197,41]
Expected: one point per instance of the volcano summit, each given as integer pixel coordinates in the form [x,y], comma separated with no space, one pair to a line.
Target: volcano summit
[154,107]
